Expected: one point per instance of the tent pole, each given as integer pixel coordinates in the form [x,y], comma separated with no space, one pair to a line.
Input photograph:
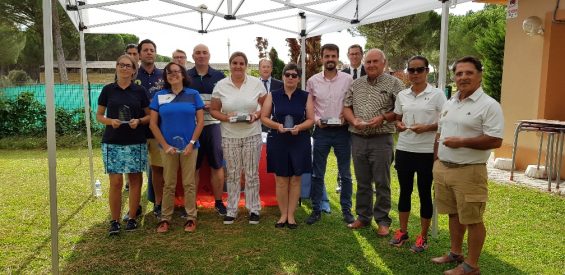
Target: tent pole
[442,77]
[87,111]
[303,60]
[302,16]
[51,139]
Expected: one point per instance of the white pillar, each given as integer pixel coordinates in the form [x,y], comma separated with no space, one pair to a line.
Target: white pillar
[87,110]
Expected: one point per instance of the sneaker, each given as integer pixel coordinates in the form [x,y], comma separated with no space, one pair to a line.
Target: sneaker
[138,214]
[131,225]
[399,238]
[420,245]
[254,218]
[229,220]
[314,217]
[114,228]
[221,208]
[157,210]
[190,226]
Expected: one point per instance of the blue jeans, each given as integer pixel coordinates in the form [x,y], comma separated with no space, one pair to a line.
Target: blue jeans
[324,139]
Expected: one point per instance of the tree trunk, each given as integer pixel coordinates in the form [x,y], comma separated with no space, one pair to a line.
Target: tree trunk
[58,42]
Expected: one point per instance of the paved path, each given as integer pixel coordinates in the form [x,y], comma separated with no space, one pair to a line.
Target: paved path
[521,179]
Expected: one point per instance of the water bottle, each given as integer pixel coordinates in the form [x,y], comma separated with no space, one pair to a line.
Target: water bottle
[98,189]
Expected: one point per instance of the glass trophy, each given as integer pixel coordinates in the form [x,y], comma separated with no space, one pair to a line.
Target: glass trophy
[288,122]
[124,114]
[179,144]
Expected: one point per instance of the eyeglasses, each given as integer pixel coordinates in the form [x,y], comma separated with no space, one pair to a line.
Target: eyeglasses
[416,70]
[179,57]
[123,65]
[171,72]
[291,75]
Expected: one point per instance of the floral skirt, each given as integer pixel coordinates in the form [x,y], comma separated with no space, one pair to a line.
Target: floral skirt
[124,159]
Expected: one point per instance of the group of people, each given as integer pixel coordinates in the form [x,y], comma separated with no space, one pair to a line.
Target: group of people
[201,114]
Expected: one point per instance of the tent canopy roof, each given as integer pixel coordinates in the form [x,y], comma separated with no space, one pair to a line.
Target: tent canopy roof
[263,17]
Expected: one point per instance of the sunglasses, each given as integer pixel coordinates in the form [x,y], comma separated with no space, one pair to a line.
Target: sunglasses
[291,75]
[416,70]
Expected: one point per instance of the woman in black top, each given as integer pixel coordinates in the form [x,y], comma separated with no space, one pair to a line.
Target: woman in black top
[123,106]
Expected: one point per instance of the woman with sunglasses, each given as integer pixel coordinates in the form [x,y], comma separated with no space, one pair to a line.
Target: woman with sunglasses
[177,119]
[289,112]
[235,102]
[417,111]
[123,107]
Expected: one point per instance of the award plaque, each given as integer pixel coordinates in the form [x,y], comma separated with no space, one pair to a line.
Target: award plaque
[124,114]
[179,144]
[288,122]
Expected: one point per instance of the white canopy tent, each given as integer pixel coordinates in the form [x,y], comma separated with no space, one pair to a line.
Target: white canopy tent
[300,18]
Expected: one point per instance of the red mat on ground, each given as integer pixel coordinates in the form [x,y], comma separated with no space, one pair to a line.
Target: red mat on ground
[205,197]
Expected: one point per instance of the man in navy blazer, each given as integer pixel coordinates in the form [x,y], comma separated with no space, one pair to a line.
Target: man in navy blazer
[355,56]
[265,70]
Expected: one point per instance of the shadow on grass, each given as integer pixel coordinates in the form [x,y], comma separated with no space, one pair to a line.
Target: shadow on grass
[47,241]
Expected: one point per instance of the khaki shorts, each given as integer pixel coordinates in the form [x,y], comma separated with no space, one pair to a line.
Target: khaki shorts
[461,190]
[154,152]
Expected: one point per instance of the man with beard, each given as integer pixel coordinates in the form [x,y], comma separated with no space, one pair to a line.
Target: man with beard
[328,89]
[368,106]
[151,79]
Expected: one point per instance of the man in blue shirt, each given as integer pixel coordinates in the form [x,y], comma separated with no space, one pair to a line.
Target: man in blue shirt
[203,79]
[151,78]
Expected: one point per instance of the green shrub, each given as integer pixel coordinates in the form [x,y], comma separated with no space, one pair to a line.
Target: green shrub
[18,77]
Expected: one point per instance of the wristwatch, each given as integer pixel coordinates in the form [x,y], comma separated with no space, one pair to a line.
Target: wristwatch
[192,142]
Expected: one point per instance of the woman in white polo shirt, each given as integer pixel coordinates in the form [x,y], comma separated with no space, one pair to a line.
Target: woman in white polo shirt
[417,111]
[235,102]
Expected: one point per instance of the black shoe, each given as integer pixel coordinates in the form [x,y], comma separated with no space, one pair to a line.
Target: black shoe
[131,225]
[221,208]
[229,220]
[157,210]
[348,218]
[114,228]
[254,218]
[280,224]
[138,213]
[314,217]
[292,225]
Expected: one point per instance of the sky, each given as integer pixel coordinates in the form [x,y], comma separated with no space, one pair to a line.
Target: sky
[217,44]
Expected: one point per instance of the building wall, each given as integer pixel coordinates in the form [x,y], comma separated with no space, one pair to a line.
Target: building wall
[530,81]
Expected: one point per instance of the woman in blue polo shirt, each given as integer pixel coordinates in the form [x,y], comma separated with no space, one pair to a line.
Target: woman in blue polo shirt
[177,119]
[123,107]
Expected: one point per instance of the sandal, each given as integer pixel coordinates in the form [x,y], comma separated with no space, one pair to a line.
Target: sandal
[163,226]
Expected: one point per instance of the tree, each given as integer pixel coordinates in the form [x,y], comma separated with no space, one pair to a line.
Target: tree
[12,41]
[387,35]
[491,46]
[62,67]
[313,54]
[278,64]
[262,44]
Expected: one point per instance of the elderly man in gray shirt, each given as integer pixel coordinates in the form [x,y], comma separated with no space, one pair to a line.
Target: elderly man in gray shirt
[368,107]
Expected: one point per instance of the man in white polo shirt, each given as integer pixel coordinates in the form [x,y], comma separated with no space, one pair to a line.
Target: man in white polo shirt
[470,126]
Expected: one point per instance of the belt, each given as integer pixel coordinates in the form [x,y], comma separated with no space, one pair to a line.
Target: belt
[370,136]
[458,165]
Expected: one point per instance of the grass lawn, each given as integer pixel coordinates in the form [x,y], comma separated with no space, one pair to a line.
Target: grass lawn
[526,232]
